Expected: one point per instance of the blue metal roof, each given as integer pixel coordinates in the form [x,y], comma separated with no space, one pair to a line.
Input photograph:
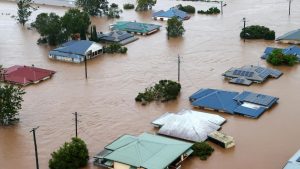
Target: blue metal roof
[72,49]
[233,102]
[291,50]
[172,12]
[293,35]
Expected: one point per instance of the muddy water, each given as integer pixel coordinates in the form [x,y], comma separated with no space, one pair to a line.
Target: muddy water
[106,103]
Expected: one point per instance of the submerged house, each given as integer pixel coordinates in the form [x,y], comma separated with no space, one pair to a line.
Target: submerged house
[291,50]
[294,161]
[188,125]
[76,51]
[26,75]
[121,37]
[292,37]
[246,103]
[146,151]
[135,27]
[248,74]
[172,12]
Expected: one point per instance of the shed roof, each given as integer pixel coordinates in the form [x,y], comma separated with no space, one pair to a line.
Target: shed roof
[24,75]
[292,35]
[247,74]
[135,26]
[121,37]
[188,125]
[172,12]
[147,150]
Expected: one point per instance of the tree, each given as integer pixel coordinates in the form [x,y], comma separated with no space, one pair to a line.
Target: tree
[128,6]
[93,7]
[113,11]
[144,5]
[50,28]
[10,101]
[94,36]
[25,8]
[175,27]
[74,21]
[72,155]
[277,58]
[257,32]
[202,150]
[187,9]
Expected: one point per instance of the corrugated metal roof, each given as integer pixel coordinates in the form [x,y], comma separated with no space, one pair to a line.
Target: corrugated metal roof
[292,162]
[293,35]
[189,125]
[135,27]
[255,98]
[242,81]
[147,150]
[291,50]
[117,36]
[172,12]
[253,113]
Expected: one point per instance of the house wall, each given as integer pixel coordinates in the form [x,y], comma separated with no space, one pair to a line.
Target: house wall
[120,166]
[94,47]
[290,41]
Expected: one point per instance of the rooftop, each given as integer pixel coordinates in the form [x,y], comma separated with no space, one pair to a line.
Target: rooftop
[292,35]
[121,37]
[172,12]
[294,161]
[248,74]
[291,50]
[135,27]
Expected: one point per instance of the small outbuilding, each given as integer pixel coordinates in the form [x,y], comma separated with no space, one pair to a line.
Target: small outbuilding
[146,151]
[172,12]
[121,37]
[188,125]
[76,50]
[135,27]
[292,37]
[291,50]
[246,103]
[248,74]
[26,75]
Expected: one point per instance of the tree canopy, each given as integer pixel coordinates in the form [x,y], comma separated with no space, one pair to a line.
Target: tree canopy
[93,7]
[11,98]
[175,27]
[278,58]
[202,150]
[72,155]
[257,32]
[144,5]
[187,8]
[25,8]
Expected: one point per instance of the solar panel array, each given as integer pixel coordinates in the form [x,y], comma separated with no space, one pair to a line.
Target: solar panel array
[264,74]
[260,99]
[259,69]
[243,73]
[125,36]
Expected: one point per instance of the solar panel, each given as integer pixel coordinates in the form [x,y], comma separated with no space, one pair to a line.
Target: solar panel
[236,72]
[247,74]
[243,73]
[251,74]
[259,69]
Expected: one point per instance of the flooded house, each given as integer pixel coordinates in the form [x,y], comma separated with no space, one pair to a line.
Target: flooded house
[291,50]
[76,51]
[135,27]
[221,139]
[248,74]
[292,37]
[26,75]
[247,103]
[146,151]
[171,13]
[188,125]
[116,36]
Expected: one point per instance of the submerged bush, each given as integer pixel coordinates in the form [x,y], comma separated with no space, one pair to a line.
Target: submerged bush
[278,58]
[257,32]
[128,6]
[165,90]
[187,9]
[115,48]
[202,150]
[212,10]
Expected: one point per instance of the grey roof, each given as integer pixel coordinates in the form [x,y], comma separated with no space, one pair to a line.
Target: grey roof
[291,50]
[188,125]
[172,12]
[256,98]
[247,74]
[293,35]
[292,162]
[117,36]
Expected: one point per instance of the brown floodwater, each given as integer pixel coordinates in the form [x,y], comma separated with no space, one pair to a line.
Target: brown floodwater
[105,101]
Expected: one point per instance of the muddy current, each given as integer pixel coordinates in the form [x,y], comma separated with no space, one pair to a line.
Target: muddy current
[105,102]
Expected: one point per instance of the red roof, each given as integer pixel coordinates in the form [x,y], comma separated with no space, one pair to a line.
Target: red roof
[24,75]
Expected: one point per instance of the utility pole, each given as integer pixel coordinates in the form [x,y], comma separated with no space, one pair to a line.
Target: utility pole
[178,68]
[35,147]
[244,20]
[85,66]
[221,7]
[76,121]
[290,2]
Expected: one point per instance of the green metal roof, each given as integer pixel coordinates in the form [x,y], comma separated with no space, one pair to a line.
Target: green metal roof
[135,27]
[147,150]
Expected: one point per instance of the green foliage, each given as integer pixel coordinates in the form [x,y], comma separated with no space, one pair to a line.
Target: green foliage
[144,5]
[165,90]
[11,98]
[93,7]
[71,155]
[114,48]
[202,150]
[257,32]
[25,8]
[94,36]
[188,9]
[212,10]
[128,6]
[278,58]
[74,21]
[175,27]
[113,11]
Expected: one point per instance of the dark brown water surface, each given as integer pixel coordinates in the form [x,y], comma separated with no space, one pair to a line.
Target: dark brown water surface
[106,103]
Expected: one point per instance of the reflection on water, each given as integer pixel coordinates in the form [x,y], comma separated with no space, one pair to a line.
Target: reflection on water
[106,103]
